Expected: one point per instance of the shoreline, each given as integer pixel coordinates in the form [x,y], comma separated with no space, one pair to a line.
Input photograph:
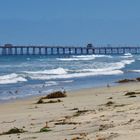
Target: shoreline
[70,91]
[93,113]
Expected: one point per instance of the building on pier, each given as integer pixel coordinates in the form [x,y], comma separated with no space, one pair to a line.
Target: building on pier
[8,45]
[89,45]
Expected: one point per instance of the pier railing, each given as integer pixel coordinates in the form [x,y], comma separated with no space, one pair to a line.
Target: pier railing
[58,50]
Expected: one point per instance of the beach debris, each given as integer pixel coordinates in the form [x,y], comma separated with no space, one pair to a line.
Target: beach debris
[120,105]
[40,101]
[138,79]
[74,109]
[81,136]
[56,94]
[77,138]
[45,128]
[132,96]
[8,121]
[126,80]
[109,103]
[111,136]
[29,138]
[101,139]
[54,101]
[129,122]
[79,112]
[131,93]
[14,130]
[110,98]
[129,80]
[105,126]
[67,123]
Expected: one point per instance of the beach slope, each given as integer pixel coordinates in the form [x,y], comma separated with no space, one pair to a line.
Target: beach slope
[107,113]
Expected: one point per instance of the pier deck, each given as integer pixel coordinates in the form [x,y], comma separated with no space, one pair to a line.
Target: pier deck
[58,50]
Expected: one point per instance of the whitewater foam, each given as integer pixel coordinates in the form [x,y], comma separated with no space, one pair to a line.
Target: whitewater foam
[137,71]
[50,83]
[11,79]
[57,71]
[76,75]
[103,68]
[83,57]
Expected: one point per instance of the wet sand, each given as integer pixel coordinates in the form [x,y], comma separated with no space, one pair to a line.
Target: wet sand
[91,114]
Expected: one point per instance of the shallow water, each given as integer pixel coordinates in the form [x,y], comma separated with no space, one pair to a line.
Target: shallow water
[22,76]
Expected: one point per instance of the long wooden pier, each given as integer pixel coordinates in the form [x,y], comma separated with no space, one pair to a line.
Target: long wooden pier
[68,50]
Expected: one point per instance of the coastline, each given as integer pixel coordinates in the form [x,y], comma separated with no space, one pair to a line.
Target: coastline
[82,114]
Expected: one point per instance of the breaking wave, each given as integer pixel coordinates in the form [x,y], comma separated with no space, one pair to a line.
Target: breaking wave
[11,78]
[61,73]
[127,55]
[103,68]
[83,57]
[76,75]
[52,71]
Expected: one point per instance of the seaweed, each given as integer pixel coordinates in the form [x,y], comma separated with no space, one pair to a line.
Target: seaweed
[109,103]
[79,112]
[40,101]
[56,94]
[14,130]
[126,80]
[44,130]
[131,93]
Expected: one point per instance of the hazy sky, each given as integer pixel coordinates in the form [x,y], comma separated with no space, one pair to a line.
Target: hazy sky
[70,22]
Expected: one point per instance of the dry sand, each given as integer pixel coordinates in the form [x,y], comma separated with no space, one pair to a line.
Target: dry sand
[82,115]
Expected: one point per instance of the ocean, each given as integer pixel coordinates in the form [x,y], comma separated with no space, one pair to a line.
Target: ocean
[24,76]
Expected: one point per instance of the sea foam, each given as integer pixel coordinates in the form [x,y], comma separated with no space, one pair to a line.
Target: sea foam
[103,68]
[11,78]
[56,71]
[83,57]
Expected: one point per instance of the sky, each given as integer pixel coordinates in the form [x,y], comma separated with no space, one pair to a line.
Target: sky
[70,22]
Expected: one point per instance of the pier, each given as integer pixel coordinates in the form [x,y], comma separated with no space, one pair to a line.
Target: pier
[65,50]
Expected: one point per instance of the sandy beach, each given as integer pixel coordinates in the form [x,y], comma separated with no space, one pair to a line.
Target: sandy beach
[104,113]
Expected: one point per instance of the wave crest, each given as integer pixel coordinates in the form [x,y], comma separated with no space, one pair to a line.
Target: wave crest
[83,57]
[11,79]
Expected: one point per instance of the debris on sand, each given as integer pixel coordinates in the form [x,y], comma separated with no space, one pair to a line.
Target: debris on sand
[79,112]
[54,101]
[45,128]
[40,101]
[56,94]
[138,79]
[109,103]
[67,123]
[131,93]
[126,80]
[105,127]
[132,96]
[14,130]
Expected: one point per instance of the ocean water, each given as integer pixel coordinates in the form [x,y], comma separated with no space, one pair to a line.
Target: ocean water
[23,76]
